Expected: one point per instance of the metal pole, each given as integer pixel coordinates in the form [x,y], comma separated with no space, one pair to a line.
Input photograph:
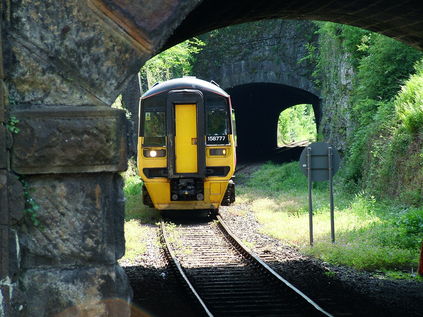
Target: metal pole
[310,201]
[332,208]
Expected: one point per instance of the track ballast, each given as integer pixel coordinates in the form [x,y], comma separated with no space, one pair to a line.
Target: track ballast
[226,279]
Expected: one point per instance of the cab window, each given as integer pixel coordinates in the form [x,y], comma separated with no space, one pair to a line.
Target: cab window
[217,120]
[154,128]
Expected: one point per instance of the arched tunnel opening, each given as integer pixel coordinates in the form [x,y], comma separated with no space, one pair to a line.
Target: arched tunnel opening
[296,126]
[257,107]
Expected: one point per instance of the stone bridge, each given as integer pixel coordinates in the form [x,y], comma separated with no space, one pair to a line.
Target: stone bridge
[62,64]
[265,69]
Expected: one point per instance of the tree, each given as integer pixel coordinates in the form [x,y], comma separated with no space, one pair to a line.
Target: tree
[174,62]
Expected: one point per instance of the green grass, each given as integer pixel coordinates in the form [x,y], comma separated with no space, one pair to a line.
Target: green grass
[134,235]
[134,208]
[136,214]
[370,234]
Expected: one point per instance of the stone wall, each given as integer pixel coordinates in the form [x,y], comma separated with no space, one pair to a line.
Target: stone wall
[130,102]
[11,207]
[336,78]
[271,51]
[283,52]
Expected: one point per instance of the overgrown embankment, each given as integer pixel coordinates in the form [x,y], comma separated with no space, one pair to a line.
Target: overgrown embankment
[370,234]
[372,90]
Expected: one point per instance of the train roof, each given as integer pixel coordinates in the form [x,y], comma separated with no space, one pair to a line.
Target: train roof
[187,82]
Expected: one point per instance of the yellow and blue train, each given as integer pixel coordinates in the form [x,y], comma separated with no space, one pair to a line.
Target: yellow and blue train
[186,146]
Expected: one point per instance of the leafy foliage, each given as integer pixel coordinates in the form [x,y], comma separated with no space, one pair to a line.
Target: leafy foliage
[409,102]
[383,70]
[296,124]
[384,142]
[174,62]
[352,39]
[12,125]
[31,206]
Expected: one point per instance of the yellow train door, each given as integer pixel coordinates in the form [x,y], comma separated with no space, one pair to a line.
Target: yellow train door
[186,138]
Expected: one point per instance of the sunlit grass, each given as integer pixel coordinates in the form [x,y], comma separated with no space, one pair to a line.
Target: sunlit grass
[134,236]
[292,225]
[134,207]
[136,214]
[370,235]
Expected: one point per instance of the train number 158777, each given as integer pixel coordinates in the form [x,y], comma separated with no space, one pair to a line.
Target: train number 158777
[217,139]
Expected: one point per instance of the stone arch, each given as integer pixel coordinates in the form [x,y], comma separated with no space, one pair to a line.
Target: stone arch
[398,20]
[272,52]
[64,64]
[257,107]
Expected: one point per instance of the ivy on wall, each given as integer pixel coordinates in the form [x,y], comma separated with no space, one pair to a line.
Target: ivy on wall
[384,146]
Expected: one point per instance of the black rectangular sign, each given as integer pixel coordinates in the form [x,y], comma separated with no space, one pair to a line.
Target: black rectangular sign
[217,139]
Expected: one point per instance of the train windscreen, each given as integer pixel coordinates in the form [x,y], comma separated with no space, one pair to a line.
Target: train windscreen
[154,127]
[217,120]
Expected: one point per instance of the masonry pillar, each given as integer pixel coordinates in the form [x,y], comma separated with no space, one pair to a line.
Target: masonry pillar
[64,64]
[130,101]
[11,207]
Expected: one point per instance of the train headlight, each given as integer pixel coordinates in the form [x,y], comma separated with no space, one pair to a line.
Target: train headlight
[218,152]
[154,153]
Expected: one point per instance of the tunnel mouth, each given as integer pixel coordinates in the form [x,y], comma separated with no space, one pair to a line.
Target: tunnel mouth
[296,126]
[257,107]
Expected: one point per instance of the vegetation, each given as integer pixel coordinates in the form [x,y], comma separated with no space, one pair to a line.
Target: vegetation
[175,62]
[31,206]
[296,124]
[134,208]
[134,237]
[136,214]
[384,143]
[383,168]
[370,234]
[11,125]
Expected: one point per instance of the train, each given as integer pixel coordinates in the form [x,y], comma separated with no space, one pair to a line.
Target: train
[186,146]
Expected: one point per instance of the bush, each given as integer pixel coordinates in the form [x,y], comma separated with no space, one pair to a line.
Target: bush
[409,102]
[387,65]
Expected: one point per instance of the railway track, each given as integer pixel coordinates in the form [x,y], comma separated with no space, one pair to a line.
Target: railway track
[226,279]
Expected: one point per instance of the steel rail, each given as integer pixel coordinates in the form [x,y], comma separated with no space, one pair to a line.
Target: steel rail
[247,252]
[181,271]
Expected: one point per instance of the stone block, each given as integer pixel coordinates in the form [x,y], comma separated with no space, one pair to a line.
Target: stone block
[82,291]
[4,300]
[3,152]
[15,198]
[14,255]
[81,220]
[69,140]
[9,251]
[4,208]
[4,251]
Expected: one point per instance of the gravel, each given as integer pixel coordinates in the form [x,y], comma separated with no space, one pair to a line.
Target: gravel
[156,290]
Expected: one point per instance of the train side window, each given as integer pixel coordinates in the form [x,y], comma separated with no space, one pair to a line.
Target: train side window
[154,128]
[234,127]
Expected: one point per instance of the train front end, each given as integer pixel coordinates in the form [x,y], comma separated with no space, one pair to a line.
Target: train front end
[186,146]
